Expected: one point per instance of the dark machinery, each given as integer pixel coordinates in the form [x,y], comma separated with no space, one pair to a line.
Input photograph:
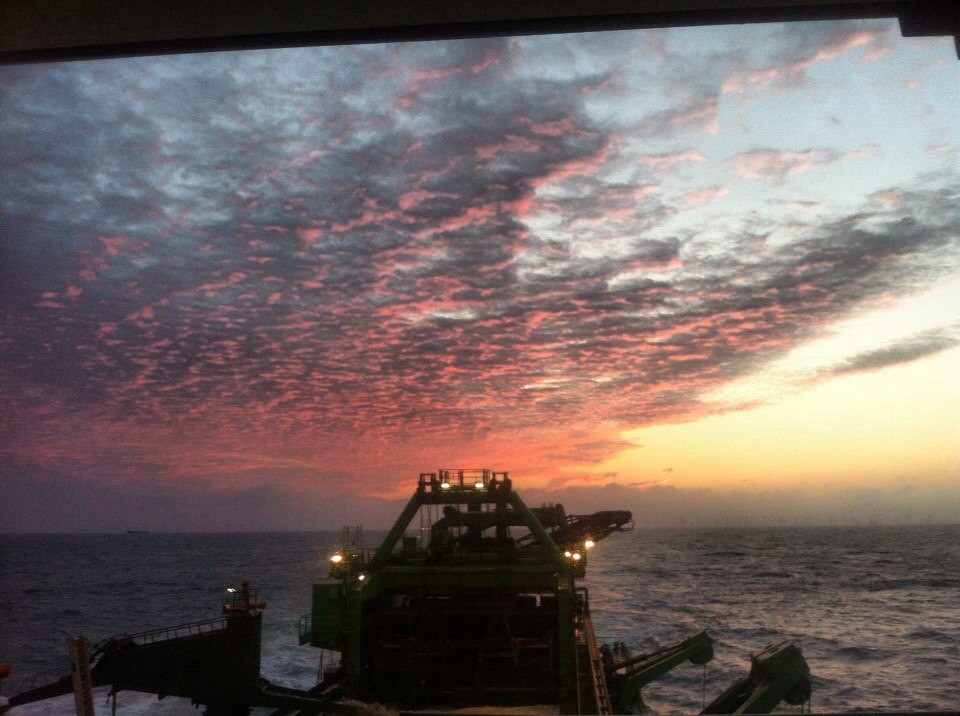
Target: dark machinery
[478,606]
[481,608]
[214,662]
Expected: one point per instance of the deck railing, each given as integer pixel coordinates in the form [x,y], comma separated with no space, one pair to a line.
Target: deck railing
[305,630]
[204,626]
[43,678]
[191,629]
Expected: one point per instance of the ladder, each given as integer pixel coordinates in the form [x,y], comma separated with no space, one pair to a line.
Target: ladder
[82,684]
[598,677]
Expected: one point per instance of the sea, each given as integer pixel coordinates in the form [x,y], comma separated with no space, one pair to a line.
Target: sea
[875,609]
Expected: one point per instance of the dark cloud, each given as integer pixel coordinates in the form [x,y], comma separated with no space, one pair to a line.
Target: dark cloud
[658,505]
[593,451]
[798,49]
[698,113]
[301,250]
[921,345]
[36,499]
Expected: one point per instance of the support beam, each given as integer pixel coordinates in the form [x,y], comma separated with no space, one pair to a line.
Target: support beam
[396,532]
[82,682]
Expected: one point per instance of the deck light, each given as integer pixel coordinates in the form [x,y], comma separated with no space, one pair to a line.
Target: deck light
[361,577]
[444,485]
[589,544]
[231,590]
[479,485]
[576,556]
[336,558]
[568,554]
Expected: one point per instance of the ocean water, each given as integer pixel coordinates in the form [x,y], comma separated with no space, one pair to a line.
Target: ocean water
[876,610]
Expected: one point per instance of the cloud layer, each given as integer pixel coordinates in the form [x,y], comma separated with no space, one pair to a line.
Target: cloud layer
[284,263]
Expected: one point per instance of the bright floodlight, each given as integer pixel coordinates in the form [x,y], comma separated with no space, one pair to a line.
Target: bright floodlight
[567,554]
[479,485]
[576,556]
[336,558]
[231,590]
[361,577]
[444,485]
[589,544]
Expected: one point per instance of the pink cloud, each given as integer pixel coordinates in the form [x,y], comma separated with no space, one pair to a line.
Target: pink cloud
[704,195]
[888,197]
[773,164]
[642,191]
[792,71]
[415,197]
[308,237]
[556,128]
[664,162]
[574,167]
[512,144]
[704,115]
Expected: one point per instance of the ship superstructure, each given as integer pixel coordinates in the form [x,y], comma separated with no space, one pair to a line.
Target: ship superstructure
[470,600]
[477,606]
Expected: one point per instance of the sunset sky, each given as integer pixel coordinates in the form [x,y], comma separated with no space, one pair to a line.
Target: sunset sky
[704,272]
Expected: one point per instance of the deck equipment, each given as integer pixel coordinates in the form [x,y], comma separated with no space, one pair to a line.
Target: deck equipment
[470,600]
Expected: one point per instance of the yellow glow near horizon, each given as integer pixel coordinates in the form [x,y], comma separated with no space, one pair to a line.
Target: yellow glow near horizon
[936,308]
[874,428]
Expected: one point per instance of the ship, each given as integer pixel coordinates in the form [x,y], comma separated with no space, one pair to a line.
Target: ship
[471,600]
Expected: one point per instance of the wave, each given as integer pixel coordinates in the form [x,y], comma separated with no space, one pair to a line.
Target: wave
[930,583]
[934,635]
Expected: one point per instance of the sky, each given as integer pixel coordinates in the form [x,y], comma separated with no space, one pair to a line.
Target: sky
[709,274]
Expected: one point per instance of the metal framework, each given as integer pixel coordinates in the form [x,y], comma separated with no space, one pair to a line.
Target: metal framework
[469,612]
[465,613]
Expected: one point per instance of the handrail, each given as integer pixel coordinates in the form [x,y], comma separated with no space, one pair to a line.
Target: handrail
[49,676]
[598,675]
[463,477]
[43,678]
[588,637]
[162,634]
[305,628]
[191,628]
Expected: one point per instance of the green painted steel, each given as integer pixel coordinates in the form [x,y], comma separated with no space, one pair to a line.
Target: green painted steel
[327,615]
[492,566]
[566,645]
[539,532]
[629,677]
[777,673]
[350,664]
[418,623]
[396,532]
